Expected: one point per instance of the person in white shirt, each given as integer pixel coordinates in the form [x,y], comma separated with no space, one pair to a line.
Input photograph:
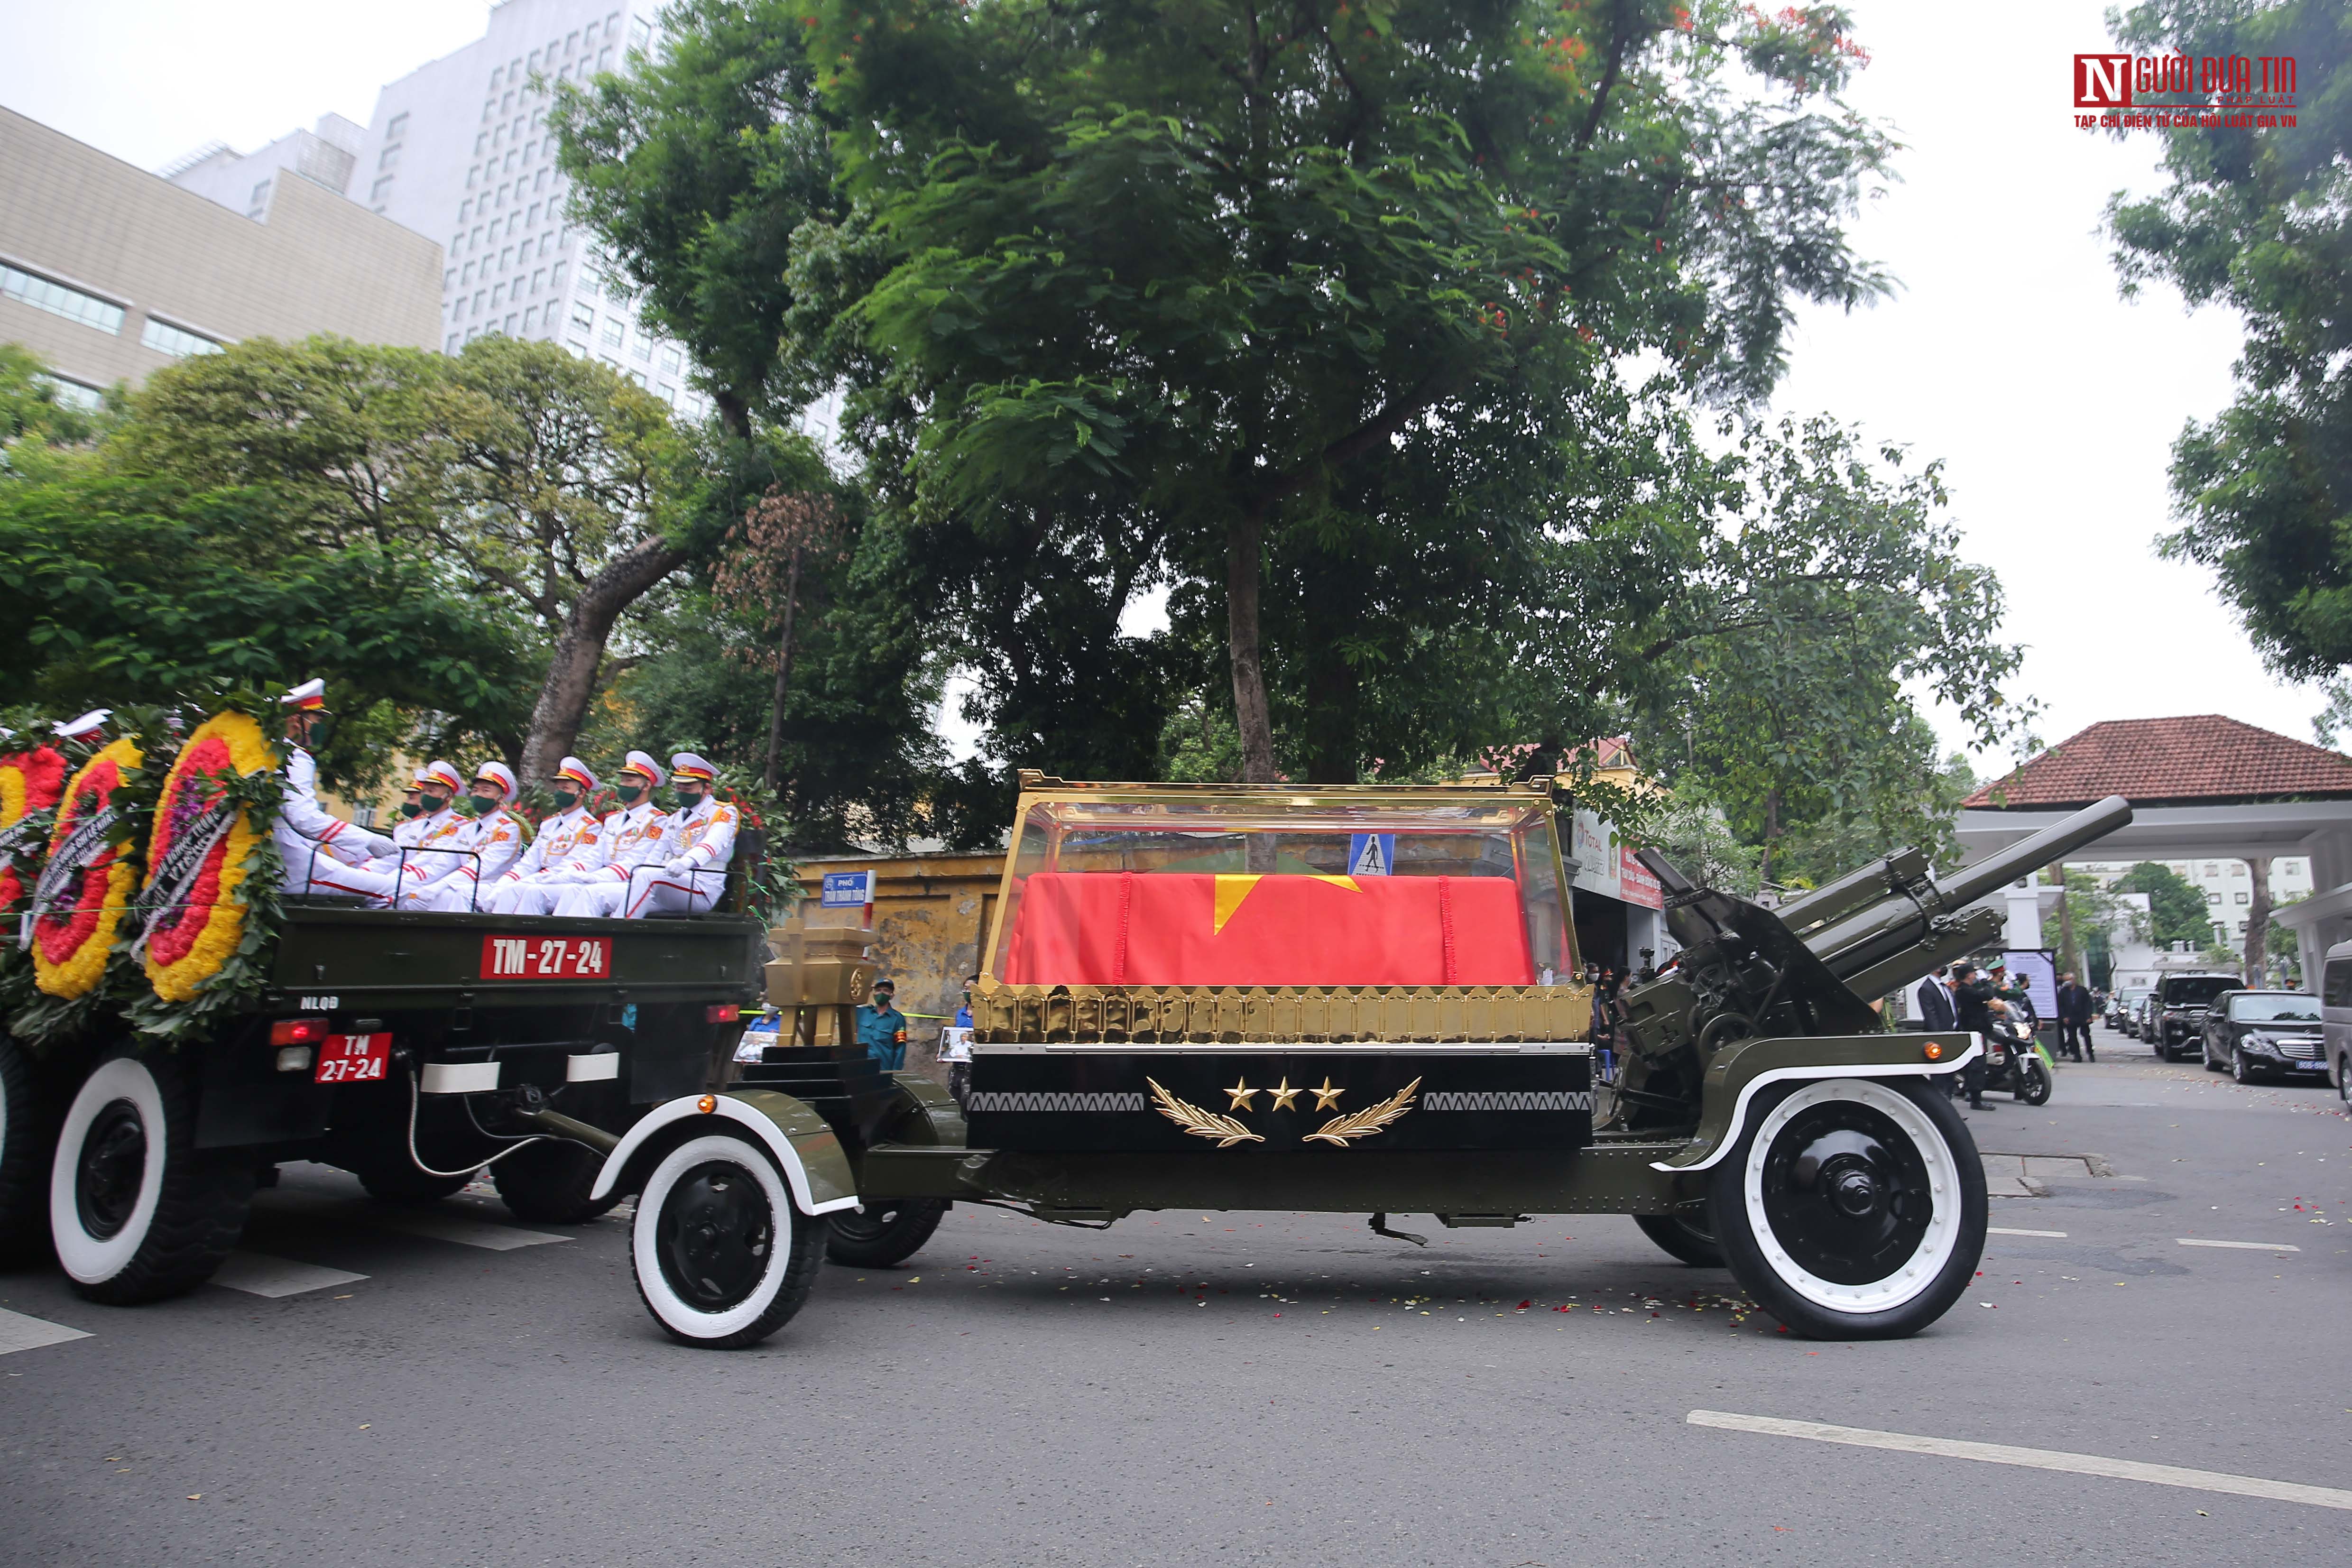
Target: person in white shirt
[315,847]
[535,882]
[685,872]
[406,870]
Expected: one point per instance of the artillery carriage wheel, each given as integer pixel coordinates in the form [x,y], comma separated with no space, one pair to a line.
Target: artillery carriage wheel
[887,1231]
[722,1258]
[1852,1209]
[137,1212]
[1683,1236]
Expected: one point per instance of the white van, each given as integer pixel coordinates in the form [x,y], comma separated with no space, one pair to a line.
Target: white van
[2336,1017]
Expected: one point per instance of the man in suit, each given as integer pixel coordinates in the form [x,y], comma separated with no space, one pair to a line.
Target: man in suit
[2074,1010]
[1936,1004]
[1972,1009]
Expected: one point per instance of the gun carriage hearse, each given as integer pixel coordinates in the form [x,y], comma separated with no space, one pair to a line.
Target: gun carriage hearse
[1360,999]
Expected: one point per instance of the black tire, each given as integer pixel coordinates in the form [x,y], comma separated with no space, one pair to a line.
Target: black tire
[136,1211]
[2239,1071]
[722,1258]
[1852,1209]
[1680,1237]
[549,1182]
[2344,1082]
[2032,1080]
[2212,1064]
[29,1125]
[889,1231]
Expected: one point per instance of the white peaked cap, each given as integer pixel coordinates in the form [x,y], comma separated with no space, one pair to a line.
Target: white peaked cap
[446,774]
[641,763]
[577,771]
[311,694]
[687,765]
[88,724]
[501,772]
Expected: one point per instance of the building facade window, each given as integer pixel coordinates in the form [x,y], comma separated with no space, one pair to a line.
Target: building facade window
[389,158]
[43,294]
[177,341]
[381,189]
[398,128]
[613,332]
[581,316]
[74,394]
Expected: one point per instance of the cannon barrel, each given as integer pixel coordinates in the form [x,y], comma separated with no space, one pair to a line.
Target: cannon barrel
[1861,943]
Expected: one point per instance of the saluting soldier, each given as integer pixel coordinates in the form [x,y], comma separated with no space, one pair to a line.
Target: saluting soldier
[690,858]
[535,882]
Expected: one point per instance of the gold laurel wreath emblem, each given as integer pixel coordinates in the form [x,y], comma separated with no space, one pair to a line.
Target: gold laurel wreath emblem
[1365,1122]
[1201,1123]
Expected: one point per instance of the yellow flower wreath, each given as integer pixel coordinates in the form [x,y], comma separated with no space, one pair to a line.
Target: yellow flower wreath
[187,945]
[71,942]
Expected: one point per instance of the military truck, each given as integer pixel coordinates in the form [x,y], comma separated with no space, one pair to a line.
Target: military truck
[1364,999]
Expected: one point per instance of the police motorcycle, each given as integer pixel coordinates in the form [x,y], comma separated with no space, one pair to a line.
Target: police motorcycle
[2017,1061]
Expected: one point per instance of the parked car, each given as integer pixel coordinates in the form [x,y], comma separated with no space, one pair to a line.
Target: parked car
[2121,1006]
[2176,1012]
[2264,1033]
[2336,1017]
[2139,1026]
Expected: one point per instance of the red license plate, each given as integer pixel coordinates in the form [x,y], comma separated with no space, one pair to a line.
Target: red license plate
[547,957]
[353,1058]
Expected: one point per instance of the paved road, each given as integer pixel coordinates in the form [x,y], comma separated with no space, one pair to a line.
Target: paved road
[1233,1388]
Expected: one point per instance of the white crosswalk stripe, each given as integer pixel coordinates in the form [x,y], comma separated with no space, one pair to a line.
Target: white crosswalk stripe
[466,1231]
[19,1332]
[2240,1246]
[257,1274]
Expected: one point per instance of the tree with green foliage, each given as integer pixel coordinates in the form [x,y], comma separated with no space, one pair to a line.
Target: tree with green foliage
[2259,219]
[1244,288]
[2177,911]
[2098,918]
[550,486]
[30,408]
[693,167]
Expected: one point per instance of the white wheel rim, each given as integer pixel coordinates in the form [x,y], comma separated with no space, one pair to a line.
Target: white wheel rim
[645,1239]
[87,1258]
[1935,1249]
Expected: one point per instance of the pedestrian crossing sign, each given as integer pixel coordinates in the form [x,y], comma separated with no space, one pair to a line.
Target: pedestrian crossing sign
[1370,854]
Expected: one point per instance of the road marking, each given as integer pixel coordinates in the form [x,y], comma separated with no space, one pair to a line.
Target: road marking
[2240,1246]
[466,1231]
[2031,1459]
[257,1274]
[2003,1230]
[19,1332]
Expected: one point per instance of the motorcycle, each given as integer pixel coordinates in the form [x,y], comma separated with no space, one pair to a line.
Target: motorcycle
[2015,1060]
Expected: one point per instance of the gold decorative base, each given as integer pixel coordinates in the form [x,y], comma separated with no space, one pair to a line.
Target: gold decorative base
[1305,1014]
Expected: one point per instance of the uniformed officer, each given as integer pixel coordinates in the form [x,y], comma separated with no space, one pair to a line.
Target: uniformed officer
[317,848]
[685,872]
[406,868]
[882,1028]
[535,882]
[492,842]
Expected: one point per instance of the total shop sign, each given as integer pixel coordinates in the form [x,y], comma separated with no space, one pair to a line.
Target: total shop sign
[1607,867]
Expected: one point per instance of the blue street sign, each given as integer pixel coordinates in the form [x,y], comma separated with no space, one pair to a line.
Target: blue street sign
[846,889]
[1370,854]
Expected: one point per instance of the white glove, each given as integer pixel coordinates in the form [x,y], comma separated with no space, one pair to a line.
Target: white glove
[678,868]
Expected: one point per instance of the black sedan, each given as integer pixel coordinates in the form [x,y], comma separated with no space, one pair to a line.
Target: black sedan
[2265,1034]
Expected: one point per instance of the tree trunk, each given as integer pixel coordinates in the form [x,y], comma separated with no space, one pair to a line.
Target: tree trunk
[732,412]
[784,669]
[1244,546]
[2068,958]
[2258,920]
[571,681]
[1771,834]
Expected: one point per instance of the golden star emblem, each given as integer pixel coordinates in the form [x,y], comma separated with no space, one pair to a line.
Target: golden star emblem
[1283,1095]
[1326,1097]
[1242,1094]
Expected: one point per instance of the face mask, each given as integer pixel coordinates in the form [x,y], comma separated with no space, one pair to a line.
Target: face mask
[688,799]
[431,803]
[485,803]
[565,800]
[628,792]
[411,808]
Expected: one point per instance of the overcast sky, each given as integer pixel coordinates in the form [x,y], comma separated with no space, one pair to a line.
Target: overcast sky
[2007,353]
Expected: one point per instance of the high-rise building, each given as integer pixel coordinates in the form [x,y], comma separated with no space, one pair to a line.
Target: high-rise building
[109,273]
[458,151]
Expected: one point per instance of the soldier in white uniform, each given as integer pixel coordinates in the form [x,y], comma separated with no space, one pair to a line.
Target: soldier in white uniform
[490,844]
[533,884]
[316,847]
[686,869]
[408,865]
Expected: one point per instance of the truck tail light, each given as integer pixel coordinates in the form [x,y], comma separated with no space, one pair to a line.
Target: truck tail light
[721,1013]
[298,1031]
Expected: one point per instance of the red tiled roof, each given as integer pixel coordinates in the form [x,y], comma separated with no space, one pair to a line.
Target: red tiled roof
[2202,757]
